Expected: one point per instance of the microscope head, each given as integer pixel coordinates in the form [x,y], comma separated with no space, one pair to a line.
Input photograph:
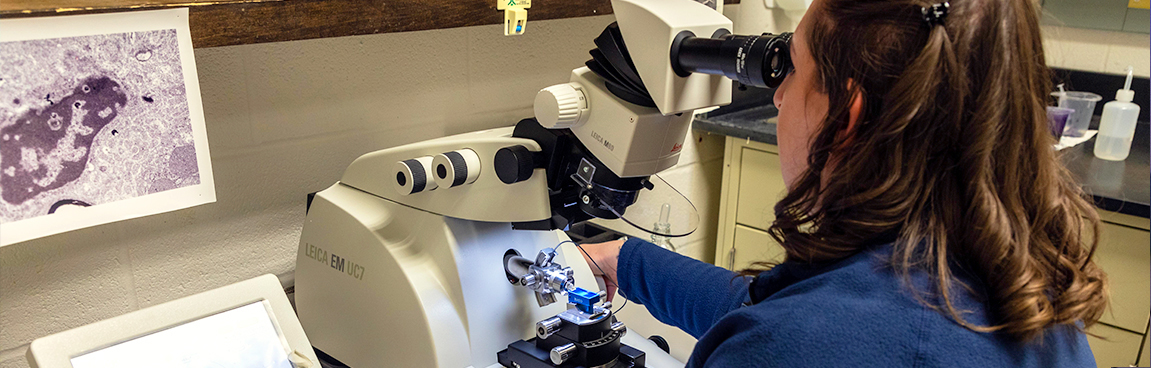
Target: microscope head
[651,28]
[623,117]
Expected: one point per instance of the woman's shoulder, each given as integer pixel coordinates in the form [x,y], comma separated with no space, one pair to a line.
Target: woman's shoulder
[865,279]
[845,312]
[834,334]
[860,310]
[864,293]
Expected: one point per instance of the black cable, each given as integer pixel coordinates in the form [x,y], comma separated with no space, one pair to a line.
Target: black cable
[605,278]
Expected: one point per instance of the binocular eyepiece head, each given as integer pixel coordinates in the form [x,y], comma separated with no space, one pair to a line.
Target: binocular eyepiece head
[761,61]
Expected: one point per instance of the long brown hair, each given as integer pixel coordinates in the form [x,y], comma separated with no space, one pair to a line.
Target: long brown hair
[951,152]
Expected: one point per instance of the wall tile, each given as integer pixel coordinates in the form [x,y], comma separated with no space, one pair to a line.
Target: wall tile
[1129,49]
[316,87]
[196,252]
[224,97]
[285,172]
[503,72]
[1053,51]
[1096,50]
[60,282]
[755,17]
[16,361]
[1078,48]
[323,86]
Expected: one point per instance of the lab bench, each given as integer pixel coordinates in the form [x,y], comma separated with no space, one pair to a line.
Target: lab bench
[753,182]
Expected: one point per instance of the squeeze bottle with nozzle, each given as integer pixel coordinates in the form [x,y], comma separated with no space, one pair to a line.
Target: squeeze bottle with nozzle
[1117,125]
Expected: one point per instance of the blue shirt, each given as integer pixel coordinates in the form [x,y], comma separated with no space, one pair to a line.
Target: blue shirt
[855,312]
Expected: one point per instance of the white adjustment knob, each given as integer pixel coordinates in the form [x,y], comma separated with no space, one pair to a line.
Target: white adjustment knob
[561,106]
[414,176]
[456,168]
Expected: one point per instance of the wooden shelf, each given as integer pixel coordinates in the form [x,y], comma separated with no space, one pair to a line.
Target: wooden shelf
[237,22]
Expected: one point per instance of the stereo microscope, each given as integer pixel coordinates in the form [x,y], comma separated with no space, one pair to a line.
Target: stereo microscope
[450,252]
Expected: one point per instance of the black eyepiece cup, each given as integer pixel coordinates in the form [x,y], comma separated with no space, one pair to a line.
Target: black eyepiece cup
[760,61]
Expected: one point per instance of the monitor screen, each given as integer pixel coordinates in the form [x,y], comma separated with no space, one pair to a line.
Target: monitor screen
[240,337]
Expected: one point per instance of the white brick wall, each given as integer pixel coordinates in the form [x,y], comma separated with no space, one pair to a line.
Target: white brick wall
[1097,51]
[283,119]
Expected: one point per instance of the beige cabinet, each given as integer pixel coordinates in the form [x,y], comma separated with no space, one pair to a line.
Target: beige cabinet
[760,186]
[1145,357]
[753,182]
[1114,347]
[1124,254]
[752,245]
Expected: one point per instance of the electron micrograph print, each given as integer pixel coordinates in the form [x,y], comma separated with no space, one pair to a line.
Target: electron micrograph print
[92,119]
[100,121]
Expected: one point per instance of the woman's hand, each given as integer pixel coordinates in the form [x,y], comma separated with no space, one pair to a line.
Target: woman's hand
[606,256]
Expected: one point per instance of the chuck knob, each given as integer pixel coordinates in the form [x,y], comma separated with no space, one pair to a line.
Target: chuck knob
[618,326]
[547,327]
[561,106]
[562,353]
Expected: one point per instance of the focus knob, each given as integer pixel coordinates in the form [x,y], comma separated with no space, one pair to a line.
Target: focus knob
[561,106]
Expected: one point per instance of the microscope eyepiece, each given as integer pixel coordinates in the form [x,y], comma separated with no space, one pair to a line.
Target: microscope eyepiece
[760,61]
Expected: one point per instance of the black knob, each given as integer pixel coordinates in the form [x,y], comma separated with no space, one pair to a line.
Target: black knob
[514,164]
[661,343]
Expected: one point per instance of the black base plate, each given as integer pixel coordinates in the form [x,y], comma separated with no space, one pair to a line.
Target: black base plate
[525,354]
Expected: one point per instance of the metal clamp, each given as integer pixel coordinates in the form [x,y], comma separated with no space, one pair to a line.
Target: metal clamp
[546,278]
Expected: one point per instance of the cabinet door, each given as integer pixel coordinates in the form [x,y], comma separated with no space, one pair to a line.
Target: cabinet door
[1118,350]
[1144,357]
[754,245]
[1125,254]
[760,185]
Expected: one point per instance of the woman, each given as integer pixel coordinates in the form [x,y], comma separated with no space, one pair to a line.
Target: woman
[927,222]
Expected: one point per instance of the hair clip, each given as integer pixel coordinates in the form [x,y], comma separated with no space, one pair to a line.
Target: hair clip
[934,14]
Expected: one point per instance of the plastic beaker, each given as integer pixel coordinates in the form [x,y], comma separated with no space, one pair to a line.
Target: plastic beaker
[1057,120]
[1084,105]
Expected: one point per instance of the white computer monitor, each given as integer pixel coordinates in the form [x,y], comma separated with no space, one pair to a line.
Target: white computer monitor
[246,324]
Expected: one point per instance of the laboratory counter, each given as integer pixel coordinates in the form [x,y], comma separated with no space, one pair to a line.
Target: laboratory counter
[1121,186]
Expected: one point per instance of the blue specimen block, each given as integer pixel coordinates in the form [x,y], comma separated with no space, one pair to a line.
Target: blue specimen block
[583,299]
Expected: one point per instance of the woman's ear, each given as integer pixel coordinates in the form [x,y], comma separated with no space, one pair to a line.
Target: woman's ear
[854,114]
[855,111]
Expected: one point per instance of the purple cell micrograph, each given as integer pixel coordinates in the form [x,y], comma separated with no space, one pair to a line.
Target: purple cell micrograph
[48,148]
[96,119]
